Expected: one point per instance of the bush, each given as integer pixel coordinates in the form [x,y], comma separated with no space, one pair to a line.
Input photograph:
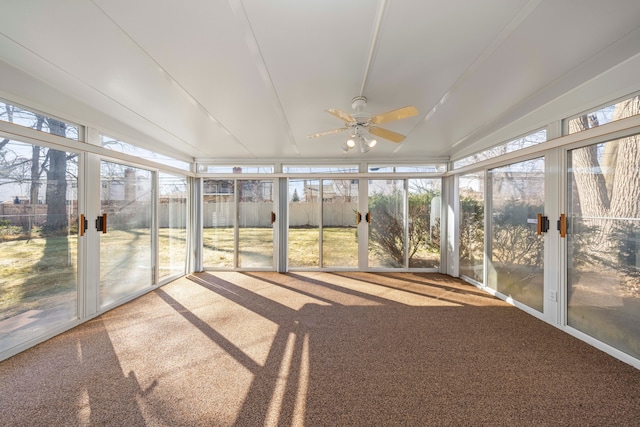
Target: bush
[386,232]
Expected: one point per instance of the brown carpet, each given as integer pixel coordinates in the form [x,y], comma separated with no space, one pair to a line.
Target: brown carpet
[329,349]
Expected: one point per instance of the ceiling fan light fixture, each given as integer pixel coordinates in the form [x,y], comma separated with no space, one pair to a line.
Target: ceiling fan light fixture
[363,125]
[364,147]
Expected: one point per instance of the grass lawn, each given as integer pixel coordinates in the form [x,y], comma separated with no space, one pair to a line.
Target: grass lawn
[35,271]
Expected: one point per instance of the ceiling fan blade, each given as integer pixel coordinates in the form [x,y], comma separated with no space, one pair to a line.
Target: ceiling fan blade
[329,132]
[400,113]
[345,117]
[387,134]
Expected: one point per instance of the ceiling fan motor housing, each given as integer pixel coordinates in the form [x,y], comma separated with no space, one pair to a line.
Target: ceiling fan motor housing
[358,103]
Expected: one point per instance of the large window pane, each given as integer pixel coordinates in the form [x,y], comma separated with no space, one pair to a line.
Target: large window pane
[218,234]
[126,261]
[255,228]
[387,224]
[504,148]
[34,120]
[320,169]
[304,223]
[339,223]
[38,241]
[424,223]
[172,225]
[437,167]
[517,251]
[143,153]
[471,193]
[603,243]
[615,111]
[235,168]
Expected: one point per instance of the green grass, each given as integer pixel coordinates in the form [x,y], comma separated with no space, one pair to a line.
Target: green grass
[256,247]
[39,272]
[35,270]
[172,248]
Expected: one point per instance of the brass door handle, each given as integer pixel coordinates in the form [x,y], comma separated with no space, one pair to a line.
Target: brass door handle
[101,223]
[562,225]
[82,226]
[543,224]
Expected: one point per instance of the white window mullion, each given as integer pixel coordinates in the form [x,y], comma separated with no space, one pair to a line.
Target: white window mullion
[92,192]
[236,223]
[320,221]
[406,223]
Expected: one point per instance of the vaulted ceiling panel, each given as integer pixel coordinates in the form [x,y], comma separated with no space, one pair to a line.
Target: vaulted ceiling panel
[213,63]
[316,55]
[250,79]
[426,63]
[543,48]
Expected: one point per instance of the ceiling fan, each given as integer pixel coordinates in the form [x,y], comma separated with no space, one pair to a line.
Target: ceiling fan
[360,121]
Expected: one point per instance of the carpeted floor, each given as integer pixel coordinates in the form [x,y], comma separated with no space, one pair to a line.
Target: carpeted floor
[328,349]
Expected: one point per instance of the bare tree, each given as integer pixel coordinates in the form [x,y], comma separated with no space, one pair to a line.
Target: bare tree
[612,193]
[606,187]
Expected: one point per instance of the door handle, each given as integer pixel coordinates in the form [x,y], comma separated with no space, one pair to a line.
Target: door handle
[358,217]
[273,217]
[562,225]
[101,223]
[82,226]
[543,224]
[368,217]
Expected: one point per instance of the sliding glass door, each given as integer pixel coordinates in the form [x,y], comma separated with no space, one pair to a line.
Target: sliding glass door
[172,225]
[38,241]
[404,223]
[256,217]
[471,237]
[516,264]
[339,223]
[304,223]
[603,242]
[386,219]
[323,222]
[238,223]
[125,229]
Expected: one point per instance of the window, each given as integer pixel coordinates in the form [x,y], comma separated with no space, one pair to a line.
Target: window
[321,169]
[516,252]
[603,243]
[471,193]
[246,169]
[507,147]
[126,148]
[14,114]
[435,168]
[616,111]
[172,225]
[38,241]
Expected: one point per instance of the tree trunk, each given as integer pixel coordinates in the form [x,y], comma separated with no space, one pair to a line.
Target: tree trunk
[35,167]
[592,188]
[608,183]
[56,195]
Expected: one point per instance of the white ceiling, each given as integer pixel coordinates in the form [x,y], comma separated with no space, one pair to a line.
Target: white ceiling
[231,79]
